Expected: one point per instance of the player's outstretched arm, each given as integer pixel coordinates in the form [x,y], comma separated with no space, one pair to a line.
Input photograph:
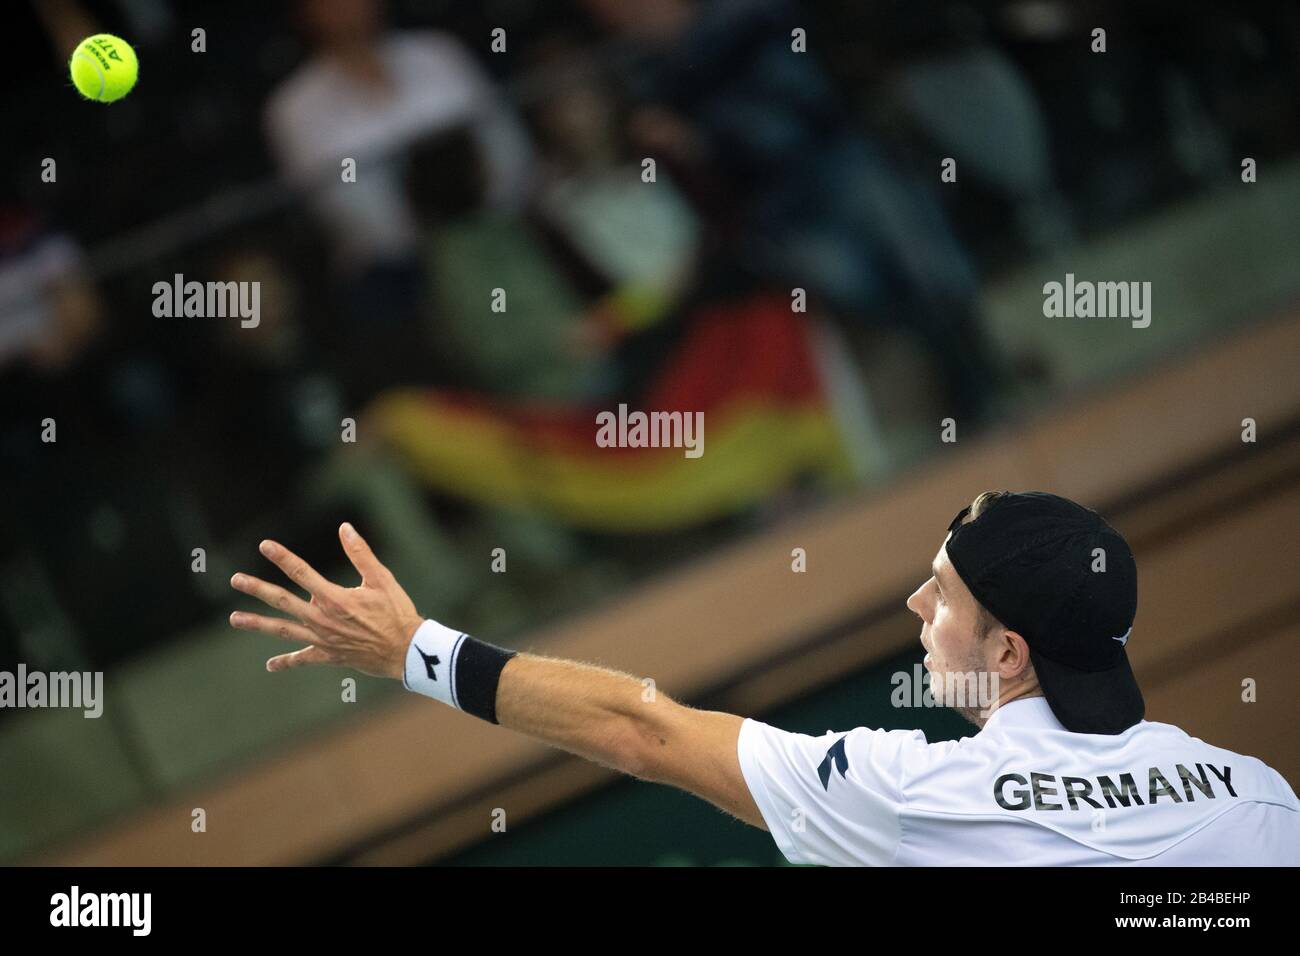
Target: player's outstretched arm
[612,719]
[599,714]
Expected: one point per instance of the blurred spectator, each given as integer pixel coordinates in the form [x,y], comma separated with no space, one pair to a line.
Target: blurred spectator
[49,312]
[817,205]
[365,92]
[976,106]
[522,345]
[91,507]
[1130,132]
[643,239]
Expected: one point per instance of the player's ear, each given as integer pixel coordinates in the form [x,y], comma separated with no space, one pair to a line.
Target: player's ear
[1014,657]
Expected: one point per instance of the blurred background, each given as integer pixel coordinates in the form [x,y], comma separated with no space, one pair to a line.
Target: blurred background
[796,269]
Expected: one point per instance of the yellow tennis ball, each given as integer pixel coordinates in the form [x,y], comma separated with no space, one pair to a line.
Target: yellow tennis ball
[104,68]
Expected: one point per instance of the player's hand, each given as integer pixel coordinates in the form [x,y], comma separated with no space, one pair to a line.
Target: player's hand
[367,628]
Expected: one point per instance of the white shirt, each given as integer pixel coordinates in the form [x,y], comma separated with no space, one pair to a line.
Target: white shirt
[1022,791]
[320,116]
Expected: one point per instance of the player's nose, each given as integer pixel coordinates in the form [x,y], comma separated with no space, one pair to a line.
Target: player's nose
[915,603]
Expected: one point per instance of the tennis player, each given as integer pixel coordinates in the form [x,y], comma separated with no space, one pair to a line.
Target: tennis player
[1032,591]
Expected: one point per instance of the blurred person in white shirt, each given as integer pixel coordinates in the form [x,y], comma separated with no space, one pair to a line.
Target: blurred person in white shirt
[365,93]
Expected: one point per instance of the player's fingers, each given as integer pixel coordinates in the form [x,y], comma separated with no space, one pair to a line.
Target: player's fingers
[280,627]
[272,595]
[299,571]
[359,553]
[301,658]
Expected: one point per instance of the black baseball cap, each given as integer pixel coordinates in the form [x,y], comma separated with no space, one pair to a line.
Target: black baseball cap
[1062,578]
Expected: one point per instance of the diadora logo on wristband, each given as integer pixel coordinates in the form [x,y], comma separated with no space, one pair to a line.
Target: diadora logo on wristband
[430,661]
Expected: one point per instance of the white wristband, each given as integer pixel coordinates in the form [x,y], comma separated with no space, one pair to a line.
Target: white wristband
[431,661]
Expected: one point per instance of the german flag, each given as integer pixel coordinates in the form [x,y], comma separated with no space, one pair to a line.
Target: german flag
[748,366]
